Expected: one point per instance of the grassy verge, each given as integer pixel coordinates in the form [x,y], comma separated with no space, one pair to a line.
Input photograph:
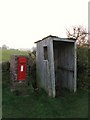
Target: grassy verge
[39,105]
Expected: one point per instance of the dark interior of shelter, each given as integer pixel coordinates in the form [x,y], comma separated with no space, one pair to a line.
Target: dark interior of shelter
[63,65]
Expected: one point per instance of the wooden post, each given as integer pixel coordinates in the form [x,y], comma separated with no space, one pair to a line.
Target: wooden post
[52,69]
[75,67]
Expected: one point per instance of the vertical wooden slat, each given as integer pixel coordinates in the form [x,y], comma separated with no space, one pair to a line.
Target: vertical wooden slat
[52,72]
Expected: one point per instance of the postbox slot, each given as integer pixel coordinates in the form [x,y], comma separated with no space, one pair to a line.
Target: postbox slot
[21,68]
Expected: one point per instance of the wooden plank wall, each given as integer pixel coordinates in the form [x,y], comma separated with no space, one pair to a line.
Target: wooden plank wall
[45,68]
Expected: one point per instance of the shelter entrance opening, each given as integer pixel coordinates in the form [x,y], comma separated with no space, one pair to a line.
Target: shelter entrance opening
[63,65]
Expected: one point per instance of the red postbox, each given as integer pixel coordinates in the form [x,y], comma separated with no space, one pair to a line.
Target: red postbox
[22,68]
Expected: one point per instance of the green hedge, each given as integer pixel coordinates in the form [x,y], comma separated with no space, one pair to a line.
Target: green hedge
[5,66]
[83,54]
[6,74]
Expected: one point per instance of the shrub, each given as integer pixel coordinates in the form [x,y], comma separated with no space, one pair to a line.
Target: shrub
[82,66]
[5,66]
[6,73]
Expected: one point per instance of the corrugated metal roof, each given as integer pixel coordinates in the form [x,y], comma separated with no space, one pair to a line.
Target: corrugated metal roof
[54,37]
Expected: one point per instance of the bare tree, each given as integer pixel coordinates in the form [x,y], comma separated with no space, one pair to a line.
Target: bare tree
[80,34]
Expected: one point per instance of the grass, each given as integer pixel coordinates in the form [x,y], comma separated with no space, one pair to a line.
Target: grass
[7,53]
[39,105]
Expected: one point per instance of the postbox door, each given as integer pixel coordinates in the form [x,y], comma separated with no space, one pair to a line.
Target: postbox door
[22,69]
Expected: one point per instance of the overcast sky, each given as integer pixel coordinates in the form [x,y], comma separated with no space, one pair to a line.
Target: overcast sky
[22,22]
